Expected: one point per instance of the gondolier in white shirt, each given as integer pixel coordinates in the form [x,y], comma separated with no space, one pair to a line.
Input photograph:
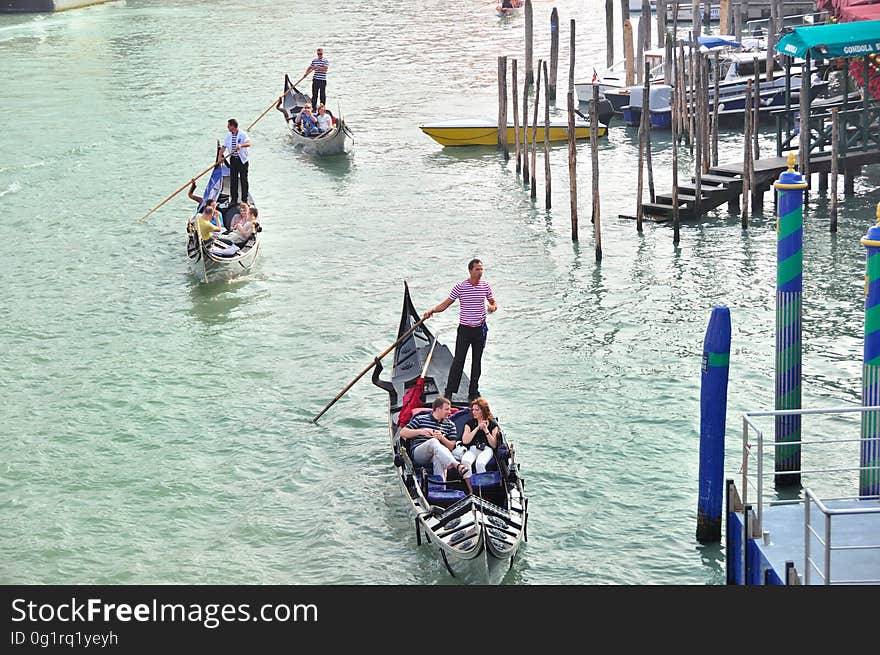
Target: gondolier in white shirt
[237,144]
[475,296]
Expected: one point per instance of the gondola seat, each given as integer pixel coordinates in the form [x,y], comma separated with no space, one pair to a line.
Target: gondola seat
[224,250]
[439,494]
[488,485]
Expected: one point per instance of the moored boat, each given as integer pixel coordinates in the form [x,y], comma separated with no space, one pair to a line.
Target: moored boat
[484,131]
[604,110]
[333,142]
[44,6]
[217,258]
[477,535]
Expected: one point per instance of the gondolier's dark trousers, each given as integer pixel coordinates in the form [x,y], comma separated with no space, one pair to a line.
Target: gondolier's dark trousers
[319,87]
[238,170]
[474,338]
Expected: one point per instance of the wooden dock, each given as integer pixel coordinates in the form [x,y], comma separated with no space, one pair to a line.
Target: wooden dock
[723,184]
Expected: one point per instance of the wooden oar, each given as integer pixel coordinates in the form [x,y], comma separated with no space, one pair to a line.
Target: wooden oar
[188,182]
[275,103]
[428,359]
[372,364]
[266,111]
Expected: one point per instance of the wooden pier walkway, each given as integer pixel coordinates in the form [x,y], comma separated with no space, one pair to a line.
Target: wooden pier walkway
[723,184]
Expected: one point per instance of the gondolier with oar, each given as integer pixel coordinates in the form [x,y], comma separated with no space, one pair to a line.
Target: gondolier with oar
[237,144]
[318,68]
[475,296]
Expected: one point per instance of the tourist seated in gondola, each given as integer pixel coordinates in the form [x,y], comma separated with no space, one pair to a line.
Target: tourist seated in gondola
[480,437]
[306,121]
[210,221]
[325,120]
[243,225]
[430,438]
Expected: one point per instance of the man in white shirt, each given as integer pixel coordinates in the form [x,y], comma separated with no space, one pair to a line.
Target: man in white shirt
[237,144]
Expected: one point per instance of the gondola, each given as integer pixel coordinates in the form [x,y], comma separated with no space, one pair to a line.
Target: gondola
[215,260]
[336,141]
[477,536]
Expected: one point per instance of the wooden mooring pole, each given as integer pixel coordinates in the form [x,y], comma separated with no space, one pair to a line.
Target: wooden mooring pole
[707,114]
[661,23]
[682,94]
[554,54]
[676,132]
[609,33]
[535,137]
[747,155]
[640,186]
[546,142]
[640,50]
[502,107]
[648,161]
[737,21]
[525,122]
[628,56]
[835,154]
[594,159]
[715,113]
[515,97]
[530,75]
[689,86]
[572,151]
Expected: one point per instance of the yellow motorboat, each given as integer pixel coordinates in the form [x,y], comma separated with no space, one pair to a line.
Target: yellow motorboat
[484,131]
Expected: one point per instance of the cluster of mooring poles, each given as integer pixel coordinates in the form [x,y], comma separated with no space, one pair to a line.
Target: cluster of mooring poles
[526,133]
[694,120]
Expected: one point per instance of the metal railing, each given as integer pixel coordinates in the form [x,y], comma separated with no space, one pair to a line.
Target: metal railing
[825,539]
[754,454]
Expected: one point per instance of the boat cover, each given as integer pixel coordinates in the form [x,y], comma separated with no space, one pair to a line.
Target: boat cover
[710,41]
[832,41]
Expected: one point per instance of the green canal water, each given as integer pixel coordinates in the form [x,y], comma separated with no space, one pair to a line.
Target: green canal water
[157,430]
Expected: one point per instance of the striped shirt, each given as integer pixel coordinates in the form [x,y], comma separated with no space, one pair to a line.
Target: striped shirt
[319,61]
[427,420]
[472,301]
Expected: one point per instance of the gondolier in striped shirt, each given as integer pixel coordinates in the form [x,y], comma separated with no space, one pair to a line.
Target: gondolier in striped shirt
[474,296]
[319,79]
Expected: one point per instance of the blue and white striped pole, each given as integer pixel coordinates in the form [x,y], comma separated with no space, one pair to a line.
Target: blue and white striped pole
[789,291]
[869,451]
[713,420]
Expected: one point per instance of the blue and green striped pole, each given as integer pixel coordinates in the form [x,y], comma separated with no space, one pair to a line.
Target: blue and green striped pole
[869,451]
[789,291]
[713,421]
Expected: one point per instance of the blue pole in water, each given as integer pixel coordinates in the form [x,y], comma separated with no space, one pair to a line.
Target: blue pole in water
[713,419]
[869,452]
[789,319]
